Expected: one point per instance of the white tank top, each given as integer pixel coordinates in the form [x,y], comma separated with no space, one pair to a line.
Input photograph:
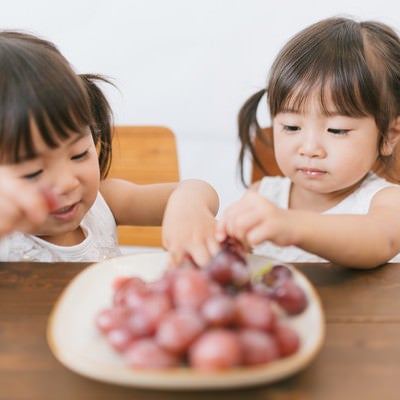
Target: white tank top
[277,190]
[100,241]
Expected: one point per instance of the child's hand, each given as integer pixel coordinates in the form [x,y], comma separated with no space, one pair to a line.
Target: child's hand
[189,224]
[23,207]
[190,238]
[253,220]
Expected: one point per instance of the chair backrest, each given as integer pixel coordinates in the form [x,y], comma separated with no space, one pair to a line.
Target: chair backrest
[265,154]
[143,154]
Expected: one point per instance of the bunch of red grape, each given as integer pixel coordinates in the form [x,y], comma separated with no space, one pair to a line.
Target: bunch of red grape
[215,318]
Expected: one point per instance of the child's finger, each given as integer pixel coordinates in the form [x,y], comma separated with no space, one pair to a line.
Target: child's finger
[220,231]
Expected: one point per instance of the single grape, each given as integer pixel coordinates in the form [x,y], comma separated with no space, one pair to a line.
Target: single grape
[287,339]
[277,274]
[229,265]
[139,323]
[216,349]
[270,275]
[254,311]
[191,288]
[240,275]
[219,310]
[157,306]
[145,319]
[291,297]
[120,338]
[147,354]
[258,347]
[179,329]
[130,292]
[164,285]
[220,269]
[111,318]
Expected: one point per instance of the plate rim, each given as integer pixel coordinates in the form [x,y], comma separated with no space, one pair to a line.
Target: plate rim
[184,379]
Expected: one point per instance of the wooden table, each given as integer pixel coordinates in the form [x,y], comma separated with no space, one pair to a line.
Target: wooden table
[360,358]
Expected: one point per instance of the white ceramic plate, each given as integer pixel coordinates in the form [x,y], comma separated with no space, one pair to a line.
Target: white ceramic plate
[76,342]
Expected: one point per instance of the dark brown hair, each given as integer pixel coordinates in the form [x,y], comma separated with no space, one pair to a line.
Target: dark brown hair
[38,85]
[355,64]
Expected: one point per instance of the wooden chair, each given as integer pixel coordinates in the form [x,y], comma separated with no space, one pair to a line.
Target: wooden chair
[143,154]
[265,154]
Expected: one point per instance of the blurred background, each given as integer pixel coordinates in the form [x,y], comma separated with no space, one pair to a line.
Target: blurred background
[188,65]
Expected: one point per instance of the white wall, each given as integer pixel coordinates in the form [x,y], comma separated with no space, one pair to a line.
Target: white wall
[185,64]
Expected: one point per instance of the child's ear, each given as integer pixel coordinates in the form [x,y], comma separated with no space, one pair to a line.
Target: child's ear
[393,137]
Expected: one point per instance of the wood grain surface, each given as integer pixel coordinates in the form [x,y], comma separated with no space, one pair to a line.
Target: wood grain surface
[360,358]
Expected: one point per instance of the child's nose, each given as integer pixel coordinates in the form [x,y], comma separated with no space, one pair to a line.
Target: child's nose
[63,181]
[311,145]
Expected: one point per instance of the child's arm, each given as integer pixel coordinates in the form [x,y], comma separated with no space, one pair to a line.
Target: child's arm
[359,241]
[23,207]
[186,210]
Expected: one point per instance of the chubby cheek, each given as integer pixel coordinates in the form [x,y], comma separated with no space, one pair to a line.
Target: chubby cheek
[92,182]
[284,156]
[352,166]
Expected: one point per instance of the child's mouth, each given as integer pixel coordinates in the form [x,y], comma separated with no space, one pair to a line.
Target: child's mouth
[312,172]
[66,213]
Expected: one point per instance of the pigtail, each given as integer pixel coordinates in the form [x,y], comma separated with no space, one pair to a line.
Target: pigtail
[248,129]
[101,126]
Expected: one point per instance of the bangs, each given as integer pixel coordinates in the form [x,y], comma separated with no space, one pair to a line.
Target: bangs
[330,65]
[40,91]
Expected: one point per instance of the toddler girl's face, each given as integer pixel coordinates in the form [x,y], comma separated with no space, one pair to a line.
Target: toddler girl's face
[71,172]
[324,153]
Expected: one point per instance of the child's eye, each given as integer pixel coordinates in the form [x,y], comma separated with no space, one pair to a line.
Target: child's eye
[291,128]
[338,131]
[33,175]
[80,155]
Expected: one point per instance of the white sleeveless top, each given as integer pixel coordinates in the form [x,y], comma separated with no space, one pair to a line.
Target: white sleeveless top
[100,241]
[277,190]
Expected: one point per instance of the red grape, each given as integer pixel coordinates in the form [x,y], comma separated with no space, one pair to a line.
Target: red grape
[219,310]
[258,347]
[278,273]
[254,311]
[146,353]
[191,288]
[179,329]
[130,292]
[287,338]
[111,318]
[164,285]
[216,349]
[228,266]
[290,296]
[120,338]
[146,317]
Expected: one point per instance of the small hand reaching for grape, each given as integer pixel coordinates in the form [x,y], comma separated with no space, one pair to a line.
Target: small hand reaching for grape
[254,219]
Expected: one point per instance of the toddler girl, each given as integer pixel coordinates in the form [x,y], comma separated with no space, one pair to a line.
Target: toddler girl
[334,100]
[55,147]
